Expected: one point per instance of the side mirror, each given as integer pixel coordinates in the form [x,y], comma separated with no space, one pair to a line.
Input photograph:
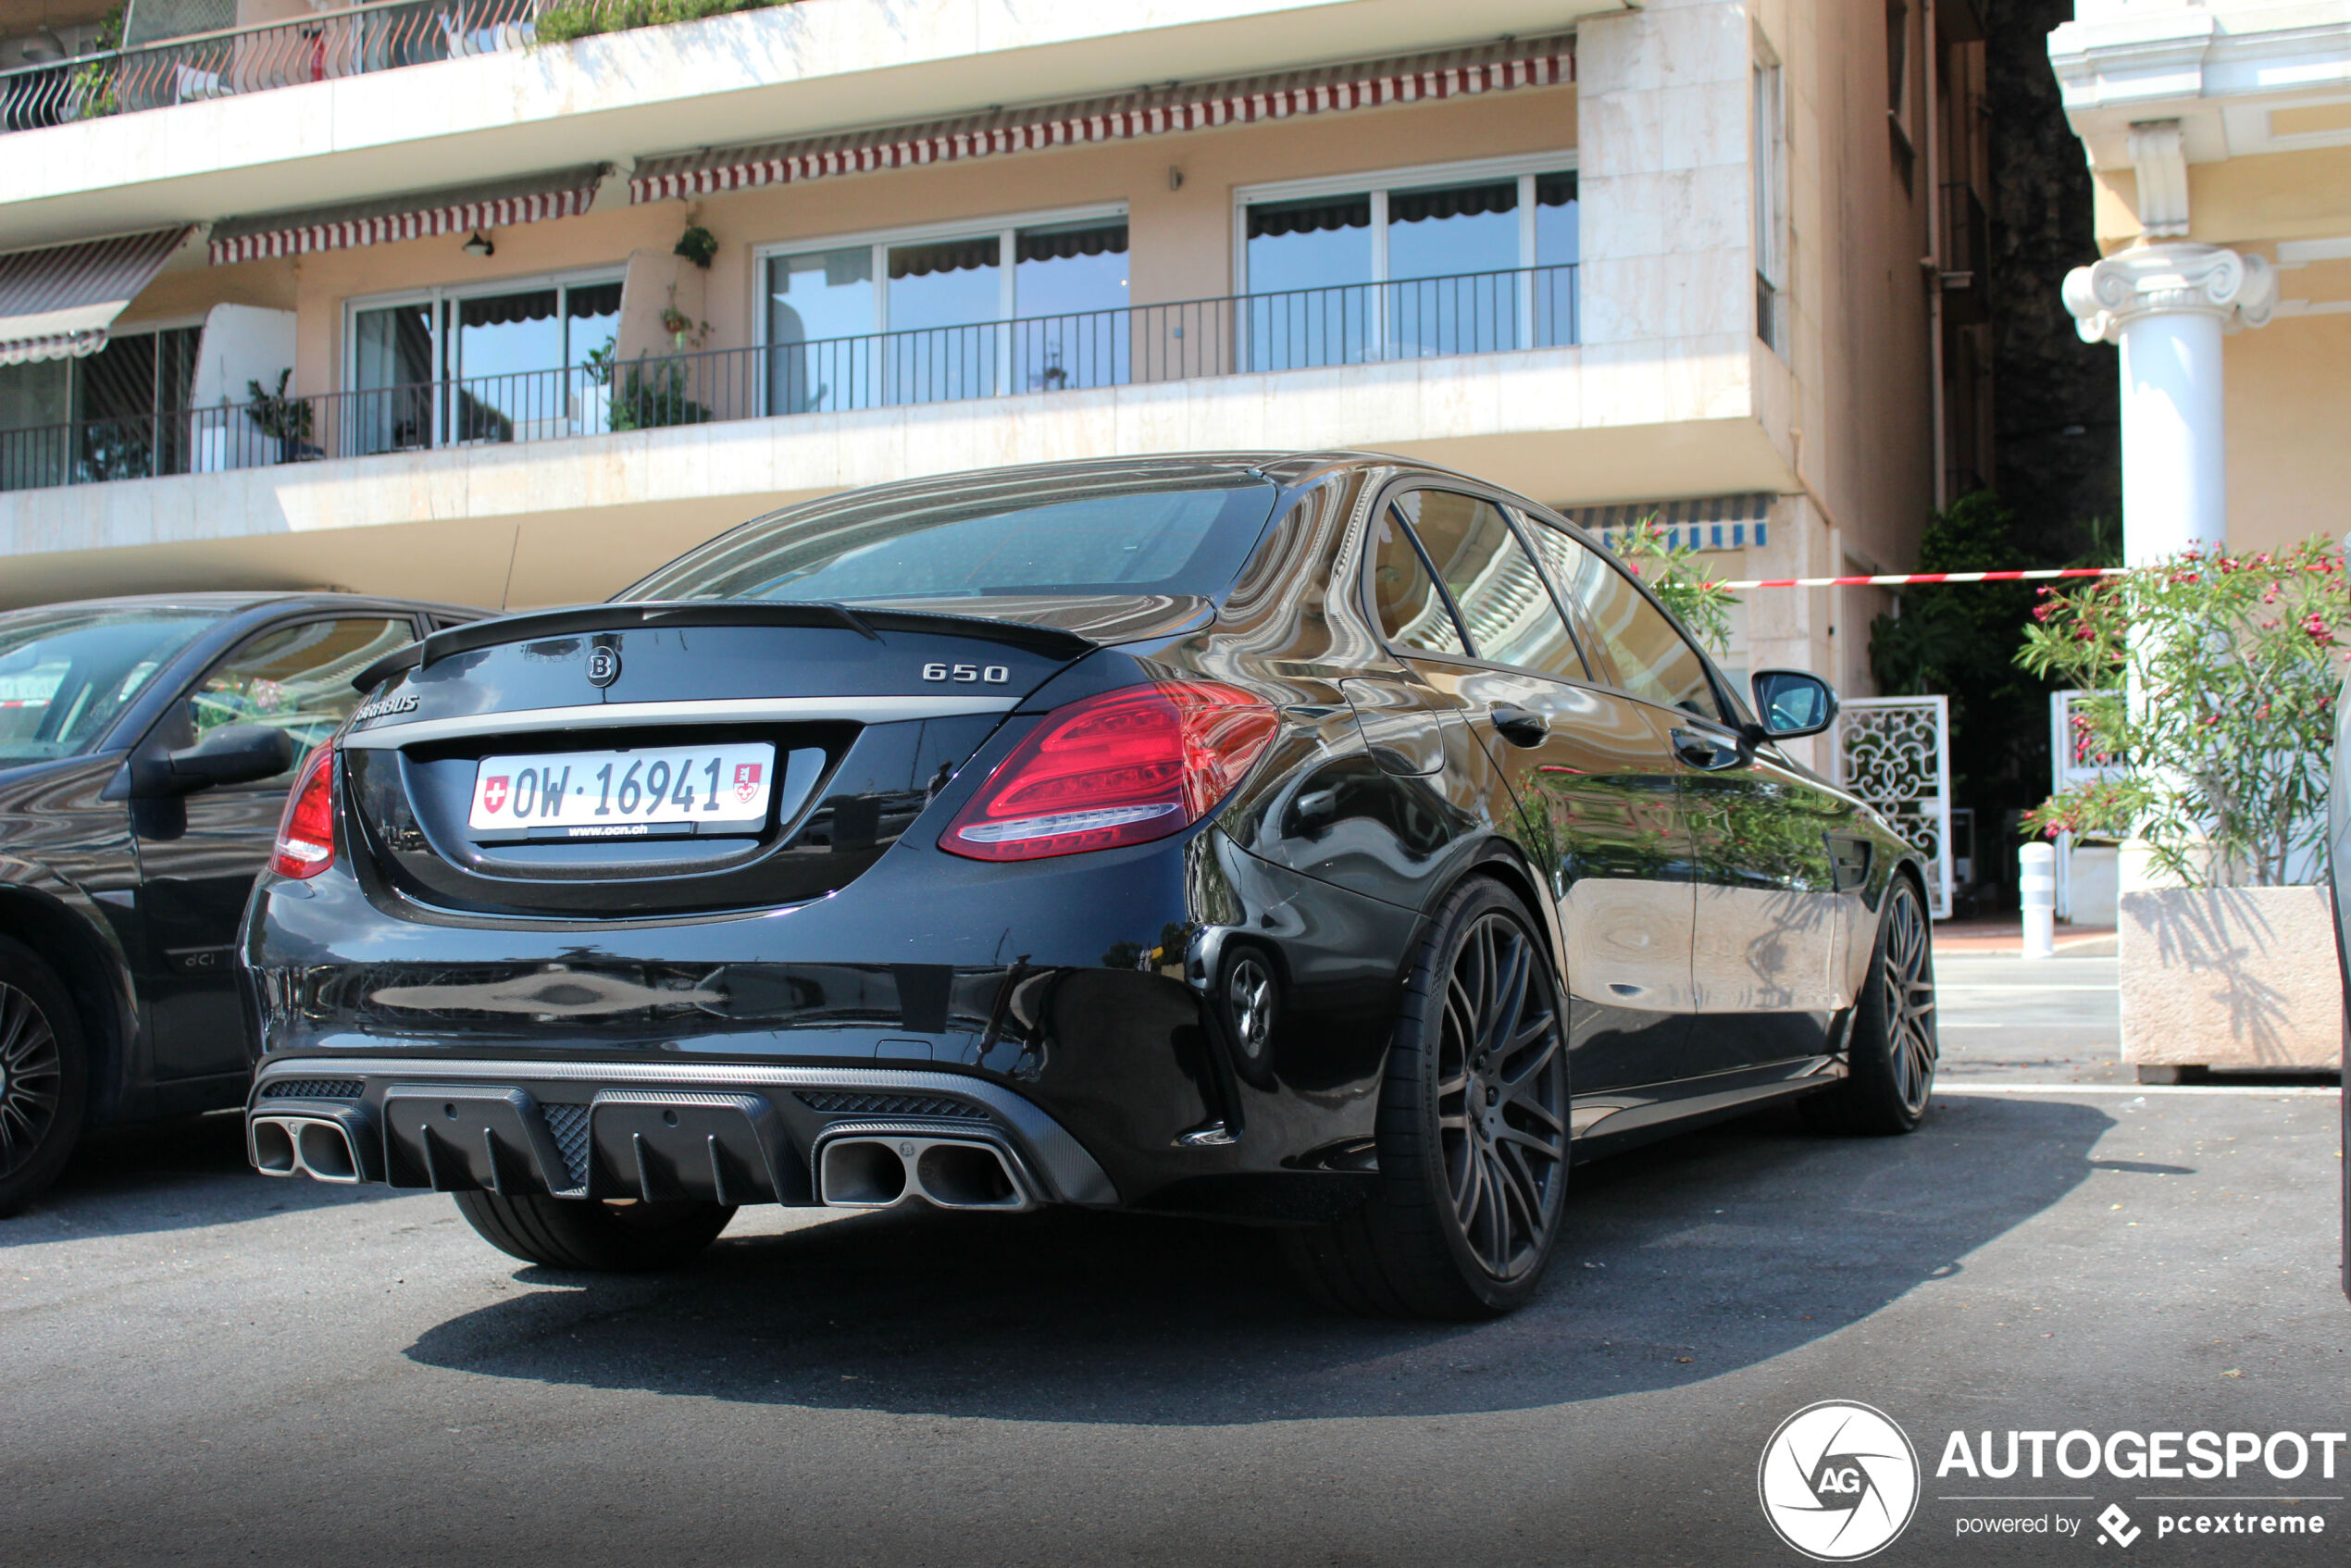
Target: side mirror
[1793,703]
[234,754]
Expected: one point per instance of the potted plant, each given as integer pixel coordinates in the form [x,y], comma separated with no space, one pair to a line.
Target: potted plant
[286,420]
[2213,682]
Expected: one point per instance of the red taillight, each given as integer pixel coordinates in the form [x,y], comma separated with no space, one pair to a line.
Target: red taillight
[307,832]
[1122,768]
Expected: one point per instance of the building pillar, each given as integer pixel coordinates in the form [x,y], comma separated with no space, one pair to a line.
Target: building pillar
[2169,305]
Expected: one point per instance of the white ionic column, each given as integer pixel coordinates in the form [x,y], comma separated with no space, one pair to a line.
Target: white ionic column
[2168,305]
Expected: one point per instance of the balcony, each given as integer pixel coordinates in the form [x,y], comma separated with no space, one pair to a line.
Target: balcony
[360,39]
[1308,329]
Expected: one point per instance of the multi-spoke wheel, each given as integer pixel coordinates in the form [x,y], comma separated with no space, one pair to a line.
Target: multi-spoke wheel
[42,1086]
[1892,1050]
[1473,1134]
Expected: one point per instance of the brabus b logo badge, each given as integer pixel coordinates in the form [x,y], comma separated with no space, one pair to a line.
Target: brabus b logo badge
[1839,1481]
[603,665]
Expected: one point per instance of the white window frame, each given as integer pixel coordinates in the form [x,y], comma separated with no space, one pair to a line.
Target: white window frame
[1525,168]
[439,294]
[1767,193]
[1006,229]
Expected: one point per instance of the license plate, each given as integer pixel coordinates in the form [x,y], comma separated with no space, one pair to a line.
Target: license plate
[634,794]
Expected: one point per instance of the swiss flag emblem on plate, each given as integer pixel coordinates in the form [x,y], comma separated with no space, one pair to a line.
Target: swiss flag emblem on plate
[493,793]
[746,780]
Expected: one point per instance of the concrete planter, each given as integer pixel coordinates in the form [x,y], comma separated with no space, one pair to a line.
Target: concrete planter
[2230,977]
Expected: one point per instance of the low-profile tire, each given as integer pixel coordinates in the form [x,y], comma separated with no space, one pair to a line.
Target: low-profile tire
[576,1233]
[44,1077]
[1892,1050]
[1472,1130]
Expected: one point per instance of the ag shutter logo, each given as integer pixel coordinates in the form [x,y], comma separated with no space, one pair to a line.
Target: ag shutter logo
[1839,1481]
[2115,1526]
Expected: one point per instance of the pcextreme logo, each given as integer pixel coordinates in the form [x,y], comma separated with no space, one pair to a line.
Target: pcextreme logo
[1839,1481]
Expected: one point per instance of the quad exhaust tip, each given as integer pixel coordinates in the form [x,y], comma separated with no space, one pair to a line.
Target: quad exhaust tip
[877,1170]
[312,1145]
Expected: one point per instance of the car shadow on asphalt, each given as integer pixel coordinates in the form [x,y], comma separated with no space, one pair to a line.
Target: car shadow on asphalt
[1689,1258]
[178,1175]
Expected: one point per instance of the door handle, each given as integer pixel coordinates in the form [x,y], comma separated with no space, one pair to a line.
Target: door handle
[1518,725]
[1701,750]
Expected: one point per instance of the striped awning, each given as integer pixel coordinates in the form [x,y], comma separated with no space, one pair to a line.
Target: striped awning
[58,301]
[1712,522]
[498,203]
[1495,68]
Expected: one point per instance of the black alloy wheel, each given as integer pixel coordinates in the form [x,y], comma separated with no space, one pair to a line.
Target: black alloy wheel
[43,1086]
[1472,1133]
[1892,1049]
[620,1237]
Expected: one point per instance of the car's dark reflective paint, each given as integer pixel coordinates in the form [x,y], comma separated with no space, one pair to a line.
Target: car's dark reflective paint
[145,749]
[1213,1021]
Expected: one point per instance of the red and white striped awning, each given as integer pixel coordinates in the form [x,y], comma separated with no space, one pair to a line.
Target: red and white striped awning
[1417,78]
[564,192]
[59,302]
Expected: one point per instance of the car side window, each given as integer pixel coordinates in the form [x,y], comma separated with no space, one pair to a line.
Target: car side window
[1510,615]
[296,677]
[1652,658]
[1412,613]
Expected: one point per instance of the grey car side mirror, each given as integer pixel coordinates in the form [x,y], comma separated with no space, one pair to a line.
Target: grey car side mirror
[234,754]
[1793,703]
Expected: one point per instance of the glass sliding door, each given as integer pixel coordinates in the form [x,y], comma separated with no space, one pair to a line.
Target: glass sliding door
[946,300]
[391,408]
[592,328]
[821,319]
[1477,262]
[1307,260]
[1557,249]
[503,352]
[1452,251]
[1071,326]
[36,401]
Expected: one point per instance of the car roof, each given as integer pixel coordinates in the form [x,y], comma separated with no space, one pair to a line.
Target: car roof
[232,601]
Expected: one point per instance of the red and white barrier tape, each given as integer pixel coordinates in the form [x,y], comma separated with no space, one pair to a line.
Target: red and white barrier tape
[1902,579]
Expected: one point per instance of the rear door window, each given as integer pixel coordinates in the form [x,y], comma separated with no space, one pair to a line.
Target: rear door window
[1504,605]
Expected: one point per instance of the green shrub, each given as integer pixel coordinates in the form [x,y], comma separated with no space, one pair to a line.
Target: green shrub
[566,19]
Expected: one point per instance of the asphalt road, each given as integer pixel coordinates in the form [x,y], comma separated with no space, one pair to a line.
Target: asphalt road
[202,1366]
[2050,1020]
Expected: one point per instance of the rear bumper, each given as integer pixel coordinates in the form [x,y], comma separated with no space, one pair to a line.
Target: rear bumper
[725,1132]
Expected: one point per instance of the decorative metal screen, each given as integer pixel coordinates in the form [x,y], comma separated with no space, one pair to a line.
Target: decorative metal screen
[1896,753]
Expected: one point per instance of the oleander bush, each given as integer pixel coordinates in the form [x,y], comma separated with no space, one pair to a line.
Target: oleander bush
[563,20]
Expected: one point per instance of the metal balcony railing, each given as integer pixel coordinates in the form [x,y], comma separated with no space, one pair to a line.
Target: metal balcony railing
[1306,328]
[371,35]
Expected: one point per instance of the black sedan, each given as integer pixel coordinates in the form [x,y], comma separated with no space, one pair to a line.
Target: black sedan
[1320,840]
[146,746]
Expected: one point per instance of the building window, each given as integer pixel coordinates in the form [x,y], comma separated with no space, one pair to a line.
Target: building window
[1768,201]
[924,316]
[117,414]
[1469,259]
[495,364]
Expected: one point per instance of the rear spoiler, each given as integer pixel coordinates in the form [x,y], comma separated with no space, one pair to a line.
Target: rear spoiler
[587,618]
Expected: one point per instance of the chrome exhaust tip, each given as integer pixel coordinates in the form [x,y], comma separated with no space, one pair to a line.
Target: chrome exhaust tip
[877,1169]
[311,1146]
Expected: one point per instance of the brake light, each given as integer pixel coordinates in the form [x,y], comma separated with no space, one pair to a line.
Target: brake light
[1122,768]
[307,832]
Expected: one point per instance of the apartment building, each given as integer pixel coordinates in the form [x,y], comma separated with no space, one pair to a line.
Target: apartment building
[2219,137]
[398,296]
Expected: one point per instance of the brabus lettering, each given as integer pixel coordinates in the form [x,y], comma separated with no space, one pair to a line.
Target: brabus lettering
[383,706]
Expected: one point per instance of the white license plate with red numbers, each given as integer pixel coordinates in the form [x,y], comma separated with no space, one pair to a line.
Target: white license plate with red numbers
[623,794]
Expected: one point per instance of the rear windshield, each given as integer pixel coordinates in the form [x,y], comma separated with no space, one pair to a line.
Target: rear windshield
[1086,536]
[65,674]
